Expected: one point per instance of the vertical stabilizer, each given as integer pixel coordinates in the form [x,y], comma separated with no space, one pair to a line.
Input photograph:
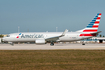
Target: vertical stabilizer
[93,25]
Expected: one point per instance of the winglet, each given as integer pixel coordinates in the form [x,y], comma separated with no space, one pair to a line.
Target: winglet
[64,33]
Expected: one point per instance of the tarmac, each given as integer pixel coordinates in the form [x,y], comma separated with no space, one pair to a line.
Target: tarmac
[55,47]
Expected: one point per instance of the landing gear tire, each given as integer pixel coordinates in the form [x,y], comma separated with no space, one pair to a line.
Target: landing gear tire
[12,44]
[83,44]
[52,44]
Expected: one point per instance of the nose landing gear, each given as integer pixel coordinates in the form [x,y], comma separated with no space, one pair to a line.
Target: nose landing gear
[12,44]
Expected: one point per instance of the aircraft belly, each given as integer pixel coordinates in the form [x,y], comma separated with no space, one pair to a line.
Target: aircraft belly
[68,39]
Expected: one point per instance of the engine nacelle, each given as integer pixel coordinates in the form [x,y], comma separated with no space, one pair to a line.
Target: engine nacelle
[40,41]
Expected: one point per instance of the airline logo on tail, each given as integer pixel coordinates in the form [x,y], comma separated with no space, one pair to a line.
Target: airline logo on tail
[92,26]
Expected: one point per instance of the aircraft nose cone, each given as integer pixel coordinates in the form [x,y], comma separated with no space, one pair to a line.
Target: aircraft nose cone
[3,39]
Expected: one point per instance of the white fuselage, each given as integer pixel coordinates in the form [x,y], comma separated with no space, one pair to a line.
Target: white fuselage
[32,36]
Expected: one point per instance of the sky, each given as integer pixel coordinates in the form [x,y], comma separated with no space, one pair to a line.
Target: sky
[46,15]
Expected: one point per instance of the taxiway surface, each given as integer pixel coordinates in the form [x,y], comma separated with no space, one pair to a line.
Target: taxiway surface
[55,47]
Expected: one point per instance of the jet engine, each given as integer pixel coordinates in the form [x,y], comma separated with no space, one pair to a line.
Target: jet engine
[40,41]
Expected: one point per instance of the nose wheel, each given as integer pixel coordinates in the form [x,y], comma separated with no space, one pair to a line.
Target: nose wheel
[12,44]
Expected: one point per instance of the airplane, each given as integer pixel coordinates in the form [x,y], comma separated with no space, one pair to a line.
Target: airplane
[51,37]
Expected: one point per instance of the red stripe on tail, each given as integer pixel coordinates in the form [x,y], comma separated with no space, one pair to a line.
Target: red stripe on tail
[97,22]
[95,26]
[100,14]
[89,30]
[98,17]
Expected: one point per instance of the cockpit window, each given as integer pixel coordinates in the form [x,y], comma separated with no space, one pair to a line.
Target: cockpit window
[8,36]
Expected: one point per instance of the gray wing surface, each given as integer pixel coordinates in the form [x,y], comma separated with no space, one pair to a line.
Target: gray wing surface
[56,37]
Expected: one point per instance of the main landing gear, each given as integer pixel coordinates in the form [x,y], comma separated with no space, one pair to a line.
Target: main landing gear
[52,43]
[83,43]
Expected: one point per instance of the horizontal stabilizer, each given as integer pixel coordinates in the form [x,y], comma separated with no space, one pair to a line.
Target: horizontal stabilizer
[96,32]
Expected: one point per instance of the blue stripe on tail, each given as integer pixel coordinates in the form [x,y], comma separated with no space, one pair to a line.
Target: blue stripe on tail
[90,25]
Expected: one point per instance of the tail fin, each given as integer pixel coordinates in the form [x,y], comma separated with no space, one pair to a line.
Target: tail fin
[93,25]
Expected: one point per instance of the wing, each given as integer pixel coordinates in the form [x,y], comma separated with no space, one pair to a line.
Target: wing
[56,37]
